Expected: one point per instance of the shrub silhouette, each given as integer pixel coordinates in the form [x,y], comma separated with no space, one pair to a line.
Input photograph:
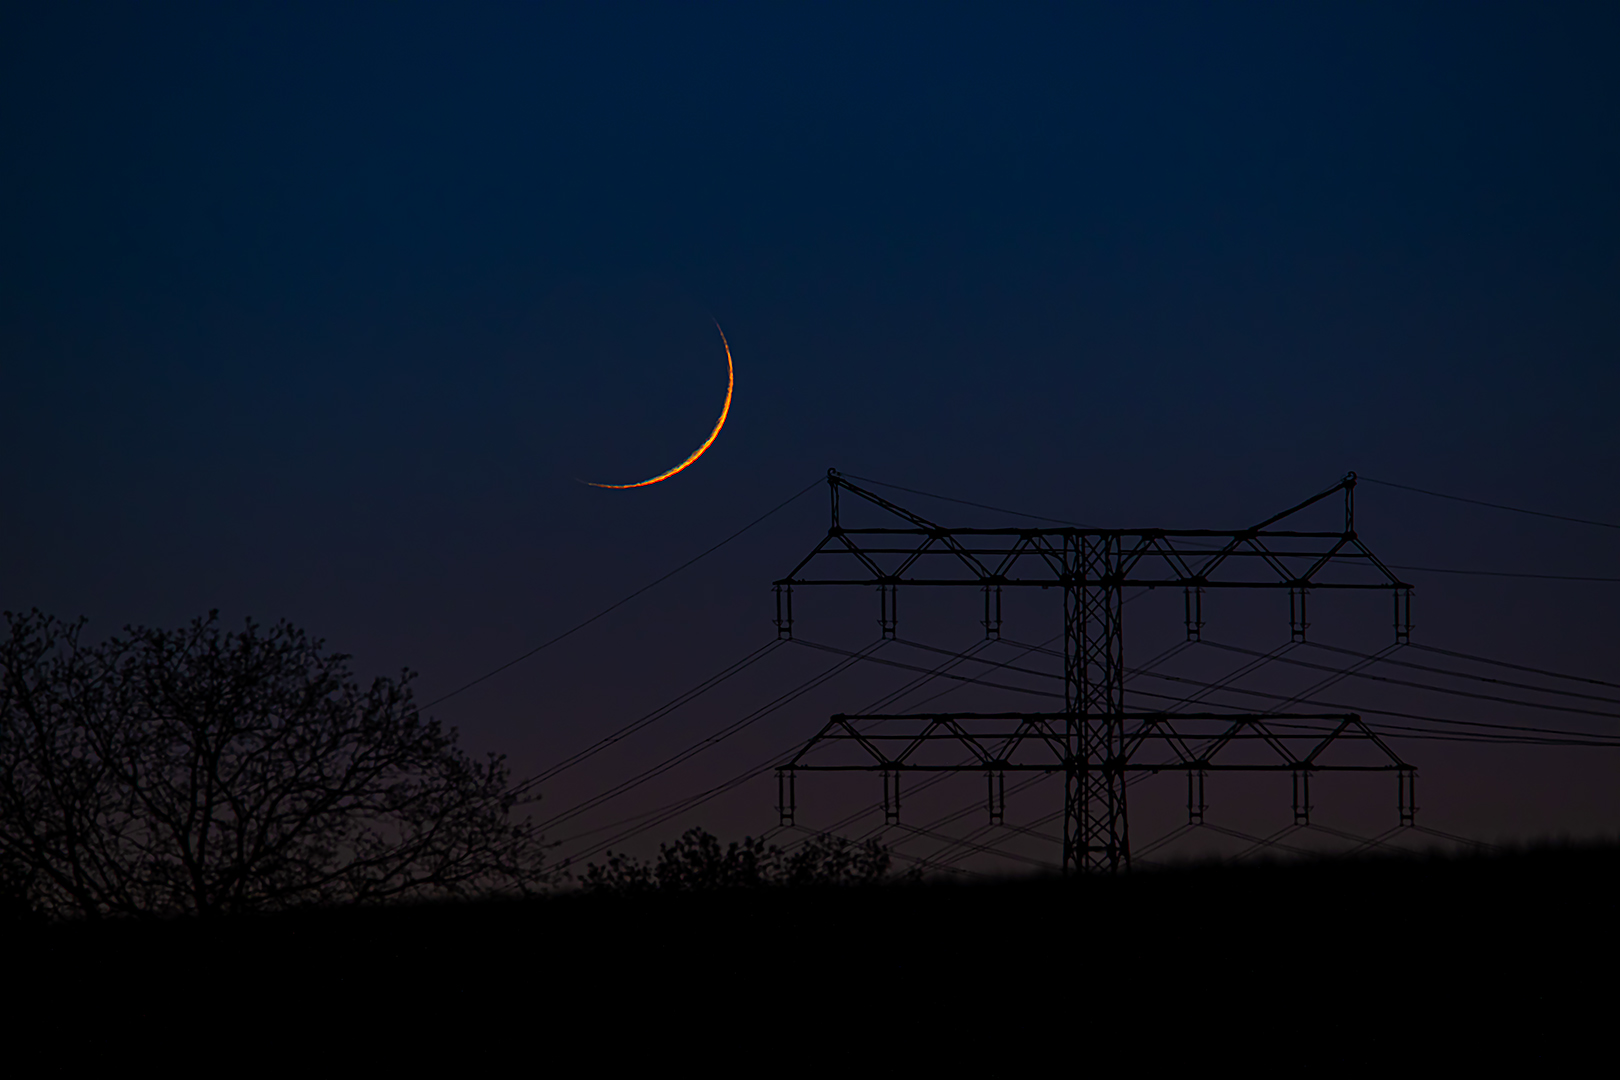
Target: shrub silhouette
[697,862]
[201,771]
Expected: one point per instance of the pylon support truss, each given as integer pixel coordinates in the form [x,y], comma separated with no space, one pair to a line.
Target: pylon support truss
[1094,740]
[1035,742]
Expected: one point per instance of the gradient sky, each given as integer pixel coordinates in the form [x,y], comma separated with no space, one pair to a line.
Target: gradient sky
[321,311]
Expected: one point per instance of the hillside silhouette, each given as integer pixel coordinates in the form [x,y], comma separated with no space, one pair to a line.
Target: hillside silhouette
[1368,946]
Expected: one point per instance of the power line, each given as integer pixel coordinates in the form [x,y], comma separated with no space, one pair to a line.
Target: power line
[1515,667]
[925,863]
[657,714]
[1363,842]
[1530,736]
[967,845]
[619,603]
[703,744]
[1393,566]
[1397,731]
[1258,842]
[1017,787]
[1421,686]
[1474,678]
[955,815]
[1504,573]
[1205,688]
[1148,669]
[940,854]
[1454,838]
[1006,665]
[956,659]
[952,842]
[1174,834]
[913,667]
[652,819]
[1493,506]
[938,777]
[1362,709]
[1225,685]
[964,502]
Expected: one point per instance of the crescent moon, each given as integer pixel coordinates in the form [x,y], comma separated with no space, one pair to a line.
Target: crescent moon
[731,382]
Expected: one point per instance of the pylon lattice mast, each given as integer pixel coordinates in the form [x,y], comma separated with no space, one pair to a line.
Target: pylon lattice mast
[1094,740]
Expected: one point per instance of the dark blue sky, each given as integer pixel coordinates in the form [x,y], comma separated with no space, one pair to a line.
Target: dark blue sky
[319,311]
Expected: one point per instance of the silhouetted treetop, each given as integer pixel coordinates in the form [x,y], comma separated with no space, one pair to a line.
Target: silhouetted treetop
[201,770]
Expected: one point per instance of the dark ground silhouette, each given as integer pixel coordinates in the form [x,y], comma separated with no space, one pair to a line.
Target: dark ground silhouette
[1366,955]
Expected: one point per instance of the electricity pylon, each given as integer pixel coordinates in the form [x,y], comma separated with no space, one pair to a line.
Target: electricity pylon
[1094,740]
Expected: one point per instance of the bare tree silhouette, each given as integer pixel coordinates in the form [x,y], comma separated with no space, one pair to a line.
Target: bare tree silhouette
[203,771]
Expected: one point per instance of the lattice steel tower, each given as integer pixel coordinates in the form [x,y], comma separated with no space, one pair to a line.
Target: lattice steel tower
[1095,739]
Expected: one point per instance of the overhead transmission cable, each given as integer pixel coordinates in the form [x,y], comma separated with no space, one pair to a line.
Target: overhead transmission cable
[955,659]
[970,653]
[1528,729]
[1336,675]
[1385,483]
[672,810]
[1413,684]
[1017,787]
[1516,667]
[913,667]
[651,819]
[688,801]
[975,847]
[964,502]
[684,698]
[1206,689]
[1534,735]
[1451,673]
[693,801]
[711,740]
[1557,737]
[1505,574]
[620,603]
[1493,506]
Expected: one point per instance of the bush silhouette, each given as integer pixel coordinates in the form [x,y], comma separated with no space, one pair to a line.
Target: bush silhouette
[202,771]
[697,862]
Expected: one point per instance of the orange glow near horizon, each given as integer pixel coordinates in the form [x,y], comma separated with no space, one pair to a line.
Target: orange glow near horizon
[731,382]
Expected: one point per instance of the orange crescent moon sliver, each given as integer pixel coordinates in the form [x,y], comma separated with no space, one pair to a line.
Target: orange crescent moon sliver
[731,382]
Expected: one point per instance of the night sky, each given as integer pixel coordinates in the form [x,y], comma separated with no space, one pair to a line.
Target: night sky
[322,311]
